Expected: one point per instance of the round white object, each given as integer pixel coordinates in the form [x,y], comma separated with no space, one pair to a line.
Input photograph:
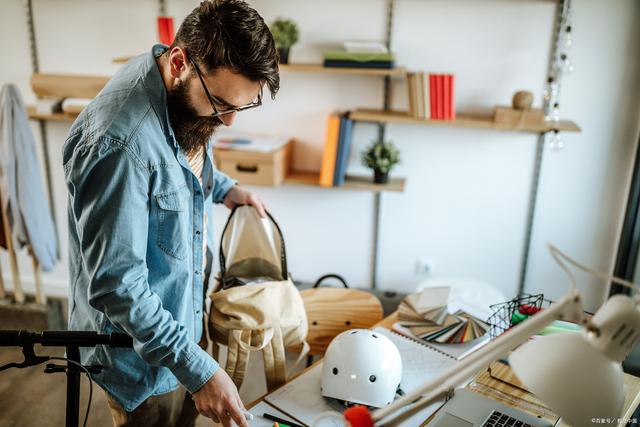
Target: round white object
[362,366]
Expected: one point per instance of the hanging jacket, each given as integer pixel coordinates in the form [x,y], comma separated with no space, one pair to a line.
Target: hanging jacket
[21,186]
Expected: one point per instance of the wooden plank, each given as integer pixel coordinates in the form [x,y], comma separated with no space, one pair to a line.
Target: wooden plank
[58,117]
[462,120]
[351,183]
[319,68]
[67,85]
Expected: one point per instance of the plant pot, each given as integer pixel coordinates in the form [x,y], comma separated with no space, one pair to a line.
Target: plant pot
[380,177]
[283,54]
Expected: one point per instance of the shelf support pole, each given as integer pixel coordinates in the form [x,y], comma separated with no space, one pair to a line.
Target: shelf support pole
[35,68]
[562,9]
[382,128]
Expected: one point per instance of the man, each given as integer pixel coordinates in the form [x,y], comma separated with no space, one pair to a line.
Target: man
[141,184]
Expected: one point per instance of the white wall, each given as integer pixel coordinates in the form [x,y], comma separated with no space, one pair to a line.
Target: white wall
[466,198]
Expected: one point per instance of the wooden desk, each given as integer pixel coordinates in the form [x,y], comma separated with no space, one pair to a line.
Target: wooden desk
[501,384]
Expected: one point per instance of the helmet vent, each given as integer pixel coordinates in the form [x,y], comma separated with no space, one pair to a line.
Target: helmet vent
[372,378]
[374,335]
[335,371]
[353,332]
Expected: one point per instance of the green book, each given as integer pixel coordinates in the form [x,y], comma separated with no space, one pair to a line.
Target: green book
[342,55]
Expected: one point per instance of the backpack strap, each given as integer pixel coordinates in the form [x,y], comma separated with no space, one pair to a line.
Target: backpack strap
[239,347]
[237,357]
[275,361]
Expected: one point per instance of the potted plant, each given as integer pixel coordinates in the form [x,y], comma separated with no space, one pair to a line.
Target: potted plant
[285,35]
[381,156]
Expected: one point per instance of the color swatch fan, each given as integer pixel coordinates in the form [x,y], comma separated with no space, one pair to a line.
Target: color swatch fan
[428,307]
[426,315]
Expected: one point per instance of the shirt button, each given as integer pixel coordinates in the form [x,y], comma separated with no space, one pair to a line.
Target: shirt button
[198,192]
[209,188]
[197,232]
[198,312]
[197,273]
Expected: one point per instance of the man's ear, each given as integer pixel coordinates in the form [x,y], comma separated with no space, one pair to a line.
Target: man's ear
[178,62]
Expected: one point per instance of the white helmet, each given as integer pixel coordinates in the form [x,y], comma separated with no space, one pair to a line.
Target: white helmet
[362,366]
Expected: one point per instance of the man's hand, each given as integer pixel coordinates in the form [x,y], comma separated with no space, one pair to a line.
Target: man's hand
[239,196]
[218,399]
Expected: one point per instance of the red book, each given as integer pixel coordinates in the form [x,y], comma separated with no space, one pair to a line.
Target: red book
[440,96]
[452,96]
[432,96]
[446,96]
[165,30]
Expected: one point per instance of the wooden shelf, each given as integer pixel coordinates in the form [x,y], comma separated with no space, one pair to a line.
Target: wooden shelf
[56,117]
[319,68]
[352,182]
[465,121]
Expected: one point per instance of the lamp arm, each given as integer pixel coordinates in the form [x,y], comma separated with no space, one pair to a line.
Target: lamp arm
[568,307]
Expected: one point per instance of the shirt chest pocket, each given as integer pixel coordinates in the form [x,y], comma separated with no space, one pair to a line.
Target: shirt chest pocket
[173,222]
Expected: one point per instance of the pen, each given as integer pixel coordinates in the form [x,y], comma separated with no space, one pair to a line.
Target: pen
[280,421]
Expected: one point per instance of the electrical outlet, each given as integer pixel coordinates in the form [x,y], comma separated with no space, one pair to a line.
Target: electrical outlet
[424,267]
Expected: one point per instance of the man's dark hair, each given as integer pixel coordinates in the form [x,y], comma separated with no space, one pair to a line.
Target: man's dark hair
[229,33]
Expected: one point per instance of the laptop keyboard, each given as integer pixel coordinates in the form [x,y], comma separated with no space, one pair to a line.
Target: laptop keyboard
[498,419]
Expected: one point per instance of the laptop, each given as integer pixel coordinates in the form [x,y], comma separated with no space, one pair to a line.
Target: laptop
[469,409]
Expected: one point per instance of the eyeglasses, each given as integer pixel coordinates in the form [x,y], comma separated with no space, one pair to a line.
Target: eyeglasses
[217,112]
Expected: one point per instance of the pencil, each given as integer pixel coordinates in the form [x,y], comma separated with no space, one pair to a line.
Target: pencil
[280,421]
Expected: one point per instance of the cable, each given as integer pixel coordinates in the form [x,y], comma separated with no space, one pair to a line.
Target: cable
[559,256]
[86,371]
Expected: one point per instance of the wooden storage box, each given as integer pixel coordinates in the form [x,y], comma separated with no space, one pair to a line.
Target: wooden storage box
[514,119]
[253,167]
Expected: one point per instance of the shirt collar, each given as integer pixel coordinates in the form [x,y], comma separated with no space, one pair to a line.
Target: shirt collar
[153,83]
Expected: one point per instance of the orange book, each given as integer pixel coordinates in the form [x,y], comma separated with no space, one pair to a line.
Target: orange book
[328,166]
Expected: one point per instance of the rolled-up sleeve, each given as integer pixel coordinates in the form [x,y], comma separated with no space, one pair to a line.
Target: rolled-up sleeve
[110,205]
[222,185]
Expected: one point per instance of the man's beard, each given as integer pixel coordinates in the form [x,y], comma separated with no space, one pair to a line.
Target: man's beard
[191,130]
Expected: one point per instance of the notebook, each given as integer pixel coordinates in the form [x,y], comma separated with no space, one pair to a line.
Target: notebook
[301,400]
[458,351]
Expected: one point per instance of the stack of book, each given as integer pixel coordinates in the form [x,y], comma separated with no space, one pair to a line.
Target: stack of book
[336,152]
[426,316]
[360,55]
[431,96]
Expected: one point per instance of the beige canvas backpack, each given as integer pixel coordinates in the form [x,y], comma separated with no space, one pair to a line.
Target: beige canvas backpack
[255,305]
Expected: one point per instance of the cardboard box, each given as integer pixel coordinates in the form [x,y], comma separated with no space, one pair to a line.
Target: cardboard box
[513,119]
[253,167]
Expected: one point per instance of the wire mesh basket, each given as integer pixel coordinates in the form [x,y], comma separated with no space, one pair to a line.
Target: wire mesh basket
[502,317]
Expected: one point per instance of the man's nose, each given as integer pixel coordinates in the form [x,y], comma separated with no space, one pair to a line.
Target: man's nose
[227,119]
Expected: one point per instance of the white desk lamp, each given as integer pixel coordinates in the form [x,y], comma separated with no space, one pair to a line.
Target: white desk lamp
[578,375]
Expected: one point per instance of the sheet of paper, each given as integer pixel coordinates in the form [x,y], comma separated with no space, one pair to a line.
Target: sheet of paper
[264,408]
[302,399]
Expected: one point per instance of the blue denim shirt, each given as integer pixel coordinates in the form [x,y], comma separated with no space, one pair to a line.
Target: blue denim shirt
[135,213]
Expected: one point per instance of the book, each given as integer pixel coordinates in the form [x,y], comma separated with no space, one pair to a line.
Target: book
[328,165]
[419,96]
[452,96]
[412,94]
[301,398]
[446,96]
[362,46]
[344,149]
[165,30]
[342,55]
[333,63]
[426,95]
[440,96]
[432,96]
[336,169]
